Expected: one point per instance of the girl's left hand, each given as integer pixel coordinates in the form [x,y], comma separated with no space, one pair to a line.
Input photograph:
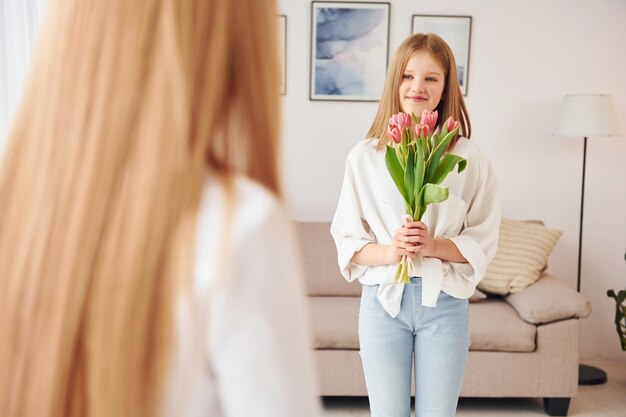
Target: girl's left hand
[424,244]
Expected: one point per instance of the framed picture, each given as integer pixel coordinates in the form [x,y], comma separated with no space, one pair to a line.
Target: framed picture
[349,50]
[281,32]
[456,31]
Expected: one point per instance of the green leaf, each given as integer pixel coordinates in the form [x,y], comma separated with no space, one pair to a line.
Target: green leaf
[399,157]
[444,129]
[435,138]
[420,168]
[435,156]
[422,146]
[418,181]
[434,194]
[405,137]
[414,119]
[409,175]
[620,315]
[394,168]
[446,166]
[420,208]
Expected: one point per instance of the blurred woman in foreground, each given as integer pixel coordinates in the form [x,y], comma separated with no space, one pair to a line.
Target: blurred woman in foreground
[148,267]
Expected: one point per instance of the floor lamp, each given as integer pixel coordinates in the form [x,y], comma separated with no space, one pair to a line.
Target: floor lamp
[587,115]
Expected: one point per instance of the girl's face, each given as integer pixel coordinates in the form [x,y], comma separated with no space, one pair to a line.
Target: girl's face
[422,84]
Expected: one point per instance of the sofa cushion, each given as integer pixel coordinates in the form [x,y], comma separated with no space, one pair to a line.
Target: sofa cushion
[547,300]
[335,322]
[319,258]
[495,326]
[523,250]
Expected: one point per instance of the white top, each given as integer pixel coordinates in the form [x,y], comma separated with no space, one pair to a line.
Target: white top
[243,345]
[371,209]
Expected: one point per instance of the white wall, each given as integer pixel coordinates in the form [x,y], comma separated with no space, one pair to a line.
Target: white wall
[524,57]
[19,24]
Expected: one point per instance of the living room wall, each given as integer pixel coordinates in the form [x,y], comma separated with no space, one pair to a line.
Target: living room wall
[525,56]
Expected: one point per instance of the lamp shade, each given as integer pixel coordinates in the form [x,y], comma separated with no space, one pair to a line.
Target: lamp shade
[587,115]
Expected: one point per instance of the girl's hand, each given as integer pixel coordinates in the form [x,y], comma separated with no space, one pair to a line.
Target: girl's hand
[416,236]
[400,245]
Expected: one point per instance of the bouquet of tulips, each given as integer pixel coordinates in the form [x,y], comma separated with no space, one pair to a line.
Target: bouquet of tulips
[418,165]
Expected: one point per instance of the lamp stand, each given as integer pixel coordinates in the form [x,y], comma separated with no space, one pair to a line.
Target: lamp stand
[582,208]
[587,375]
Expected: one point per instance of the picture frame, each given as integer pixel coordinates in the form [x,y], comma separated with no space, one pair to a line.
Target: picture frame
[349,50]
[281,33]
[457,32]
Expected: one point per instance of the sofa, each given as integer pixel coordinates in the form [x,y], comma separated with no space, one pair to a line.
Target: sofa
[522,345]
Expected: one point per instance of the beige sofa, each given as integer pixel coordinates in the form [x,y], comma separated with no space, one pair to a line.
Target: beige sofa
[522,345]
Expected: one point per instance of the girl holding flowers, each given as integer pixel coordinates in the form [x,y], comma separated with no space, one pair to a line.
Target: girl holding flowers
[424,321]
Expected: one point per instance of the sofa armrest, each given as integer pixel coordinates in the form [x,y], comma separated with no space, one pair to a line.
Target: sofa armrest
[548,300]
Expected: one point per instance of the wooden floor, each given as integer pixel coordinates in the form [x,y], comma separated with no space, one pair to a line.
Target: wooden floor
[607,400]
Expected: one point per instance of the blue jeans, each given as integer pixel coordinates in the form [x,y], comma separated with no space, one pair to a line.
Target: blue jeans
[437,338]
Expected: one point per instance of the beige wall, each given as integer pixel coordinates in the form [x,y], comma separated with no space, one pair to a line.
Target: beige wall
[524,57]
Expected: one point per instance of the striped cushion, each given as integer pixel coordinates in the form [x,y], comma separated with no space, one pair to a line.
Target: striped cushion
[523,250]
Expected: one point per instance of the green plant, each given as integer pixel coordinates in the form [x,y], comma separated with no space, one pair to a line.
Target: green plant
[620,315]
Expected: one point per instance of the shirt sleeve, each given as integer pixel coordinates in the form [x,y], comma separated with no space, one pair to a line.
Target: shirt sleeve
[478,241]
[348,228]
[260,340]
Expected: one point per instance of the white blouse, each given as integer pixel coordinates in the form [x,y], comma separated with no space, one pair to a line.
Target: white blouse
[370,210]
[243,343]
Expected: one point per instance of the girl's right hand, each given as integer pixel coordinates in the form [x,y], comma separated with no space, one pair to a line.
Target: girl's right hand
[402,240]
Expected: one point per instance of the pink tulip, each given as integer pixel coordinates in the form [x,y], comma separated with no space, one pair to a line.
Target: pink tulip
[429,118]
[452,124]
[394,134]
[422,129]
[400,120]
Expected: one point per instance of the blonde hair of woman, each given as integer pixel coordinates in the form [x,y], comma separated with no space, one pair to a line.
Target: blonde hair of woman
[127,106]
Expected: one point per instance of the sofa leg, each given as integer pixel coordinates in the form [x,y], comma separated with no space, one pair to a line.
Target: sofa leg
[556,406]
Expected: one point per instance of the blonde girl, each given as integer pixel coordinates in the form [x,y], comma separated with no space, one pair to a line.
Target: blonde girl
[422,326]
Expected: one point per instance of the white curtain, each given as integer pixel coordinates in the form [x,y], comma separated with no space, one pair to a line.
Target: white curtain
[19,24]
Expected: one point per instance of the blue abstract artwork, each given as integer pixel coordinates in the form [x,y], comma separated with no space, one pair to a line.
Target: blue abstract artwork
[349,50]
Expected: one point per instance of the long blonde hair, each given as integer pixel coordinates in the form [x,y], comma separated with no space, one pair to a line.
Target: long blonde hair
[128,106]
[451,104]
